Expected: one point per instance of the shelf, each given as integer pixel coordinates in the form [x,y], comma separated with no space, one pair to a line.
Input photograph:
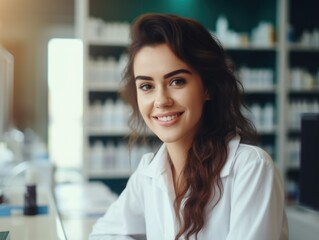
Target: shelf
[264,131]
[304,91]
[293,165]
[294,130]
[264,90]
[251,48]
[109,173]
[102,131]
[111,43]
[102,42]
[302,48]
[107,86]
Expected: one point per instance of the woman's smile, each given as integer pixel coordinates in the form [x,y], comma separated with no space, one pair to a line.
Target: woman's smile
[167,120]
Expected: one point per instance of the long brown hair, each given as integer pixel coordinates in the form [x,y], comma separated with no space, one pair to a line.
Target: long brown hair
[221,119]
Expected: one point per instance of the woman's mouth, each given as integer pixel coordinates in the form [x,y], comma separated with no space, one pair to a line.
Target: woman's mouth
[168,118]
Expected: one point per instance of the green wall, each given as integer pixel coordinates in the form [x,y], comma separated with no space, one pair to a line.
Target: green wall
[242,15]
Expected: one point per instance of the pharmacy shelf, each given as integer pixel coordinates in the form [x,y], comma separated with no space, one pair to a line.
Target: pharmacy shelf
[107,86]
[302,80]
[102,131]
[109,43]
[276,58]
[267,131]
[100,45]
[264,90]
[304,91]
[251,48]
[302,48]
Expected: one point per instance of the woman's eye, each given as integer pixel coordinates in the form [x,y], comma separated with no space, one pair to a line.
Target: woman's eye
[178,82]
[145,86]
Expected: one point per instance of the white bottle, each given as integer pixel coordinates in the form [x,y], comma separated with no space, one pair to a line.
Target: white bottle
[96,114]
[97,157]
[108,114]
[268,117]
[256,115]
[222,29]
[122,157]
[110,155]
[117,116]
[122,116]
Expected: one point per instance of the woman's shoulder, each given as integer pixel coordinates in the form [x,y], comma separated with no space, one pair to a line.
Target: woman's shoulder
[252,155]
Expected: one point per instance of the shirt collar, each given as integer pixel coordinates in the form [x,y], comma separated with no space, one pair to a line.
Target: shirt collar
[231,149]
[159,164]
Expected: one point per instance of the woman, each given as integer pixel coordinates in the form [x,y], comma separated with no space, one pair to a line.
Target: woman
[205,182]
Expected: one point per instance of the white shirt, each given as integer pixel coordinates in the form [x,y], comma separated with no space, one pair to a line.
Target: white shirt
[251,207]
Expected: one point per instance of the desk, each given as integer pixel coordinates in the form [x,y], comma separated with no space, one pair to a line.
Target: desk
[39,227]
[80,205]
[302,224]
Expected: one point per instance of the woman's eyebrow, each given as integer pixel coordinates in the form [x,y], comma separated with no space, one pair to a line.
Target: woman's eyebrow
[171,74]
[167,75]
[141,77]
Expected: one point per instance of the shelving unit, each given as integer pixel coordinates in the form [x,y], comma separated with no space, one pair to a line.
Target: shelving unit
[277,58]
[258,70]
[302,81]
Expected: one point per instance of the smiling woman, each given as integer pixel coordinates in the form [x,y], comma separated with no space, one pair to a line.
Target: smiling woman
[206,181]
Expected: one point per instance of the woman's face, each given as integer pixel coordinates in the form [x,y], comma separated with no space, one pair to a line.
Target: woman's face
[170,94]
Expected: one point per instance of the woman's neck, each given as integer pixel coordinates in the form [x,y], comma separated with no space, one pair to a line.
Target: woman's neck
[177,156]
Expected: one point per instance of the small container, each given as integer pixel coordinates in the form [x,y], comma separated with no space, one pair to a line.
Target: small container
[30,196]
[1,197]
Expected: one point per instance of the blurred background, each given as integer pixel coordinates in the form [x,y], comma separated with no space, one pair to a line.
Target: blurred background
[60,69]
[25,29]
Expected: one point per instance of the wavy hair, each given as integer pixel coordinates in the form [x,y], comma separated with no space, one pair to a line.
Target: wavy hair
[221,119]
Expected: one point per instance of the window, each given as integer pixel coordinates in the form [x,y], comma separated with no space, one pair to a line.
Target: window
[65,84]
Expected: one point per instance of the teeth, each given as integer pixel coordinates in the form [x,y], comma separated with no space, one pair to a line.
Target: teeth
[167,118]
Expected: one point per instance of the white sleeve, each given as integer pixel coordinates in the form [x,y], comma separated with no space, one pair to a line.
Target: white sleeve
[125,217]
[257,204]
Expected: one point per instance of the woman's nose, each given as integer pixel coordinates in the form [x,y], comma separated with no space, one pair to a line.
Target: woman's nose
[163,100]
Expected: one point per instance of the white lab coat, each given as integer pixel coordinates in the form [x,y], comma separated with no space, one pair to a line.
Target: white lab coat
[251,207]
